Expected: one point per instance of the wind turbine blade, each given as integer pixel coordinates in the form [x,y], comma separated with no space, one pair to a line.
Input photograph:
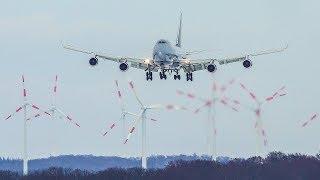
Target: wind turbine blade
[225,103]
[67,117]
[55,88]
[175,107]
[130,113]
[190,96]
[252,95]
[179,92]
[135,93]
[156,106]
[276,94]
[55,85]
[132,129]
[110,128]
[151,119]
[24,89]
[313,117]
[34,117]
[223,88]
[207,104]
[119,94]
[39,109]
[11,115]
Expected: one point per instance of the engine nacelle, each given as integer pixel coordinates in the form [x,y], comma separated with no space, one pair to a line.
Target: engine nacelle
[123,67]
[93,61]
[247,63]
[211,68]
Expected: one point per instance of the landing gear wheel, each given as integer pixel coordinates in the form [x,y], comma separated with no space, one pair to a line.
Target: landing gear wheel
[175,77]
[162,75]
[189,77]
[149,76]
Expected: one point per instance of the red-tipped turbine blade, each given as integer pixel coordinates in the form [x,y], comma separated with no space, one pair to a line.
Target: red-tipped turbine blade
[191,96]
[207,104]
[72,121]
[16,111]
[130,133]
[252,95]
[110,128]
[225,87]
[179,92]
[118,90]
[175,107]
[276,94]
[313,117]
[24,89]
[225,103]
[33,117]
[55,85]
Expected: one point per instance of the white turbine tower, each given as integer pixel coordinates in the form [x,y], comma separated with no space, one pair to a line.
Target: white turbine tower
[141,118]
[26,104]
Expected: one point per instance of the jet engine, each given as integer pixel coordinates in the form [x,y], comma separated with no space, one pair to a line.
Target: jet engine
[247,63]
[93,61]
[123,66]
[211,68]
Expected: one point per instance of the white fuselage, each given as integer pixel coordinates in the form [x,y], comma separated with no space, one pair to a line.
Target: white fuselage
[167,56]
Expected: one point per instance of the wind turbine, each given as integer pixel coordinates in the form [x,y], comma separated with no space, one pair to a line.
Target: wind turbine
[123,115]
[217,97]
[24,107]
[54,110]
[141,118]
[257,109]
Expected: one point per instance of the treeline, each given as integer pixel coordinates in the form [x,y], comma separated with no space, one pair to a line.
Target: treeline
[95,163]
[276,166]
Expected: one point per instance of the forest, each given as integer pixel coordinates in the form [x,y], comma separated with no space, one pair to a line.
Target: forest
[276,166]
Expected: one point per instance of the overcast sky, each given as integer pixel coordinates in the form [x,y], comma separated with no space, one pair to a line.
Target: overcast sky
[31,33]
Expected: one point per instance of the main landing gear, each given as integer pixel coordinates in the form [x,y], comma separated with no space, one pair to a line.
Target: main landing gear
[175,77]
[149,76]
[189,76]
[162,75]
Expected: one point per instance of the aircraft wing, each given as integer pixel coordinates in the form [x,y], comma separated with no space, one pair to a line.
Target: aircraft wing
[137,63]
[201,64]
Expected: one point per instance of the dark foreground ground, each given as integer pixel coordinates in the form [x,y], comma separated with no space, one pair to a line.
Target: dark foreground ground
[276,166]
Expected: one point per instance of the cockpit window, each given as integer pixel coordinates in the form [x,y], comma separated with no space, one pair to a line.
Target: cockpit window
[162,42]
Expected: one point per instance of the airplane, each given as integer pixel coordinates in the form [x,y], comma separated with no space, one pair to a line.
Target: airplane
[168,58]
